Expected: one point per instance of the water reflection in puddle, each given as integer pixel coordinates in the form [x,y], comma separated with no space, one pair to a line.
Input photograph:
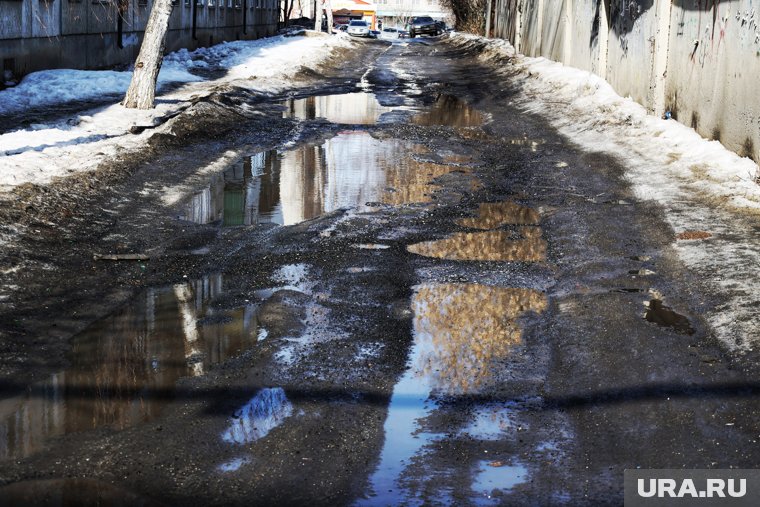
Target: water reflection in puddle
[490,422]
[495,214]
[486,246]
[264,412]
[371,246]
[349,108]
[450,111]
[460,332]
[494,477]
[233,465]
[664,316]
[124,367]
[350,170]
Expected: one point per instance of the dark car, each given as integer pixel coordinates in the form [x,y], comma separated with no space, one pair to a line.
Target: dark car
[420,25]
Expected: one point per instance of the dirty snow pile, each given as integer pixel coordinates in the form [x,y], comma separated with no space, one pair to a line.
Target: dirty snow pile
[700,185]
[44,151]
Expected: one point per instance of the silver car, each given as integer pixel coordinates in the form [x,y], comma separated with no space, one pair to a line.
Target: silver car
[389,33]
[359,28]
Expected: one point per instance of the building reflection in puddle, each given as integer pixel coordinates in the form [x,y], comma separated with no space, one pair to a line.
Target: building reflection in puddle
[358,108]
[346,171]
[124,367]
[461,331]
[450,111]
[264,412]
[486,246]
[495,214]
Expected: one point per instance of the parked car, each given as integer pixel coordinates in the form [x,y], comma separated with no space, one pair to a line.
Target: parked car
[389,33]
[420,25]
[359,28]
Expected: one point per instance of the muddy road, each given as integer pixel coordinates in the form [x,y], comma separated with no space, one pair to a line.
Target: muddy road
[389,286]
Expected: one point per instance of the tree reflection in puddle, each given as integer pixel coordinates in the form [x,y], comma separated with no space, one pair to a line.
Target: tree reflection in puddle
[124,367]
[264,412]
[495,214]
[451,111]
[461,332]
[486,246]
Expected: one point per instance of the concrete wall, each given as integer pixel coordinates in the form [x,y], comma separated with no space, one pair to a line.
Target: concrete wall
[699,59]
[90,34]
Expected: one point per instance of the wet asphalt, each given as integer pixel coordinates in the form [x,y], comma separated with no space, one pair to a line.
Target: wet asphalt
[331,316]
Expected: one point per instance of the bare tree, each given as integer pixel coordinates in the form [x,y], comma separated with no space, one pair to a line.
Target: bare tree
[469,14]
[287,11]
[142,90]
[325,5]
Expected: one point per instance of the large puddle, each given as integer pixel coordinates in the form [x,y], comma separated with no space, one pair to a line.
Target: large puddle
[358,108]
[124,368]
[351,170]
[361,108]
[486,246]
[461,332]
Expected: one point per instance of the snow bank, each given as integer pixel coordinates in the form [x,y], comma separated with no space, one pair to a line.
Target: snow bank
[700,185]
[42,152]
[264,58]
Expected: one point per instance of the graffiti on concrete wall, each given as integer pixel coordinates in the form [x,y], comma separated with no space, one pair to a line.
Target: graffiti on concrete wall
[707,22]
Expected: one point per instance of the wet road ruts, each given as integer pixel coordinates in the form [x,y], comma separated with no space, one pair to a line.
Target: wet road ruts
[410,292]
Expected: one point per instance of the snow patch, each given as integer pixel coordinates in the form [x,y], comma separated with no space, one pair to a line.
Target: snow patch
[40,153]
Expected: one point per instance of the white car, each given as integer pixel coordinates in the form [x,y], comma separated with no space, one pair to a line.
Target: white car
[389,33]
[359,28]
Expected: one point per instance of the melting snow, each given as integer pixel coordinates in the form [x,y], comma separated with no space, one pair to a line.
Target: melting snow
[42,152]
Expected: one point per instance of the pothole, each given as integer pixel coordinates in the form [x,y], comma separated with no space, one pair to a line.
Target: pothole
[664,316]
[124,367]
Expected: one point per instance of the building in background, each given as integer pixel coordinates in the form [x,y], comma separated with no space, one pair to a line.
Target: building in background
[347,10]
[92,34]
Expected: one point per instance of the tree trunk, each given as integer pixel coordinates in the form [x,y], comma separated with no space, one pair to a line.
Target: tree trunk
[290,11]
[328,8]
[317,16]
[142,89]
